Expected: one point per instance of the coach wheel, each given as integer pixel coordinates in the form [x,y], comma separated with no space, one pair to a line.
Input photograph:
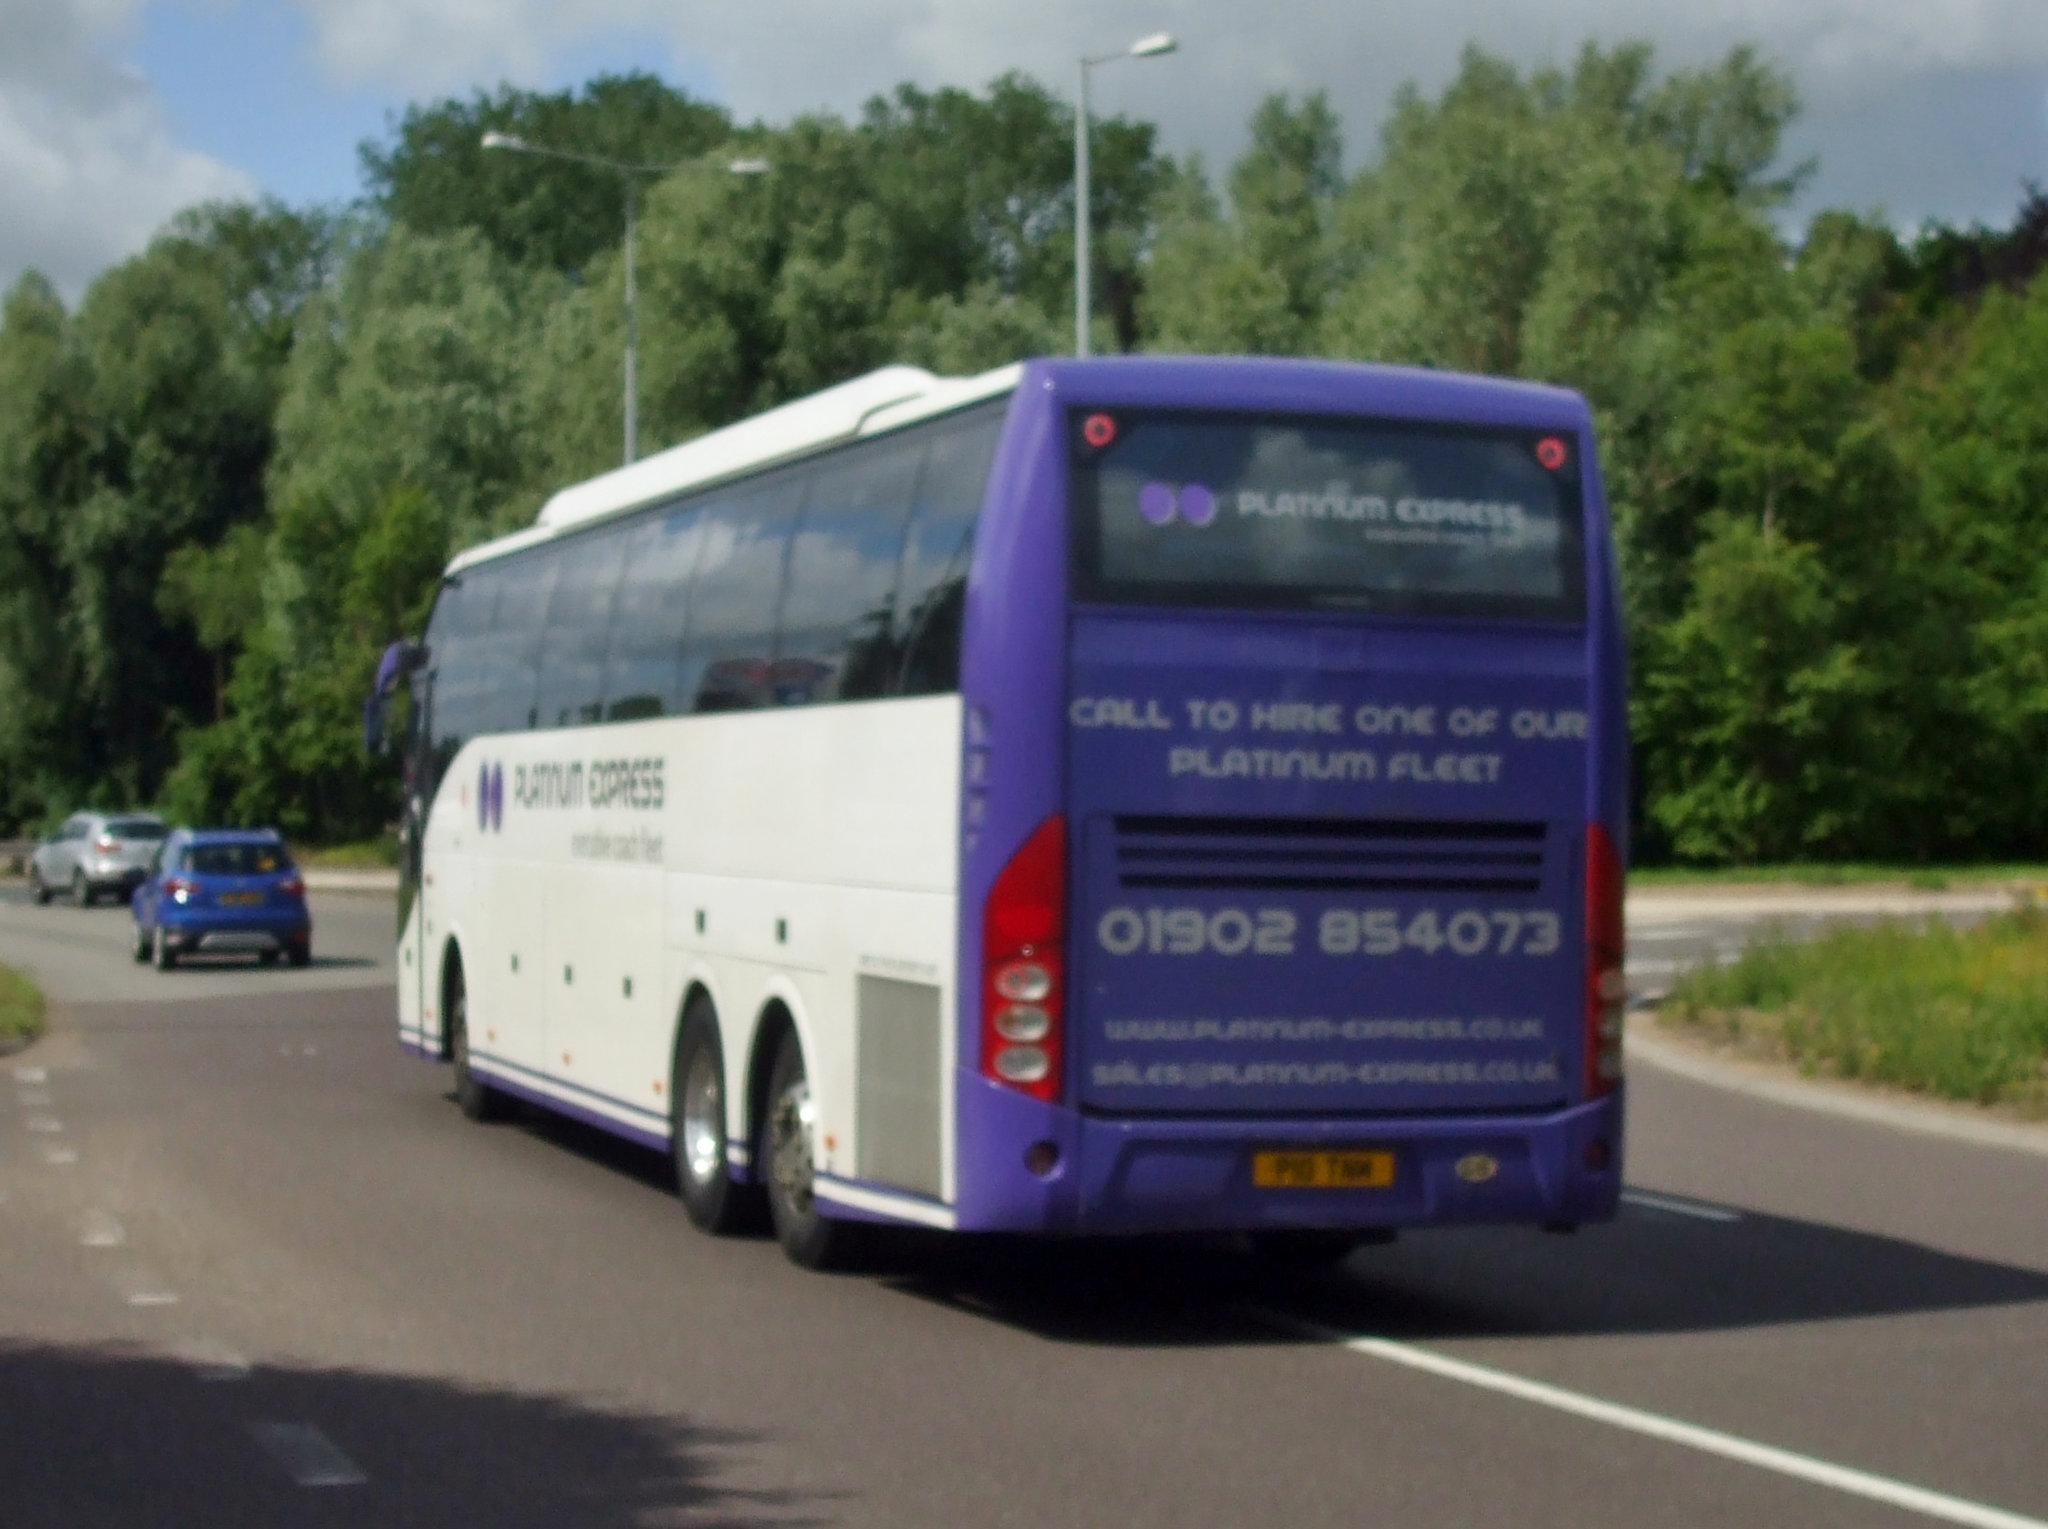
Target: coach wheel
[810,1238]
[474,1097]
[698,1138]
[160,948]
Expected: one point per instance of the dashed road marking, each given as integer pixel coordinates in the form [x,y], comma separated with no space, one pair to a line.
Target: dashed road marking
[1654,1425]
[57,1155]
[100,1230]
[31,1075]
[138,1287]
[1677,1207]
[308,1456]
[46,1124]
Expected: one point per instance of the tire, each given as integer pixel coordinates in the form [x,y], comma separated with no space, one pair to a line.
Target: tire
[697,1134]
[36,888]
[475,1098]
[142,950]
[81,890]
[266,957]
[300,952]
[812,1239]
[166,958]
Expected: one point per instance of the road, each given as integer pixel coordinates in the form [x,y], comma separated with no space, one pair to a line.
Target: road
[259,1271]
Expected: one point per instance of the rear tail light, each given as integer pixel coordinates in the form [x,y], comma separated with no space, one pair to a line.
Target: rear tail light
[179,888]
[106,844]
[1023,966]
[293,886]
[1606,979]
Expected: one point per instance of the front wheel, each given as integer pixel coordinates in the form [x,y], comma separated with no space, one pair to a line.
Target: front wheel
[698,1136]
[810,1238]
[81,890]
[474,1097]
[36,887]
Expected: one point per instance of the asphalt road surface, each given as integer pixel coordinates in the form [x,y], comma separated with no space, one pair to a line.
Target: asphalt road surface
[255,1269]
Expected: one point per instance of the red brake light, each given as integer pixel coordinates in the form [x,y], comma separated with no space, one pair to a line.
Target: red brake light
[294,886]
[1606,949]
[106,844]
[1023,966]
[180,886]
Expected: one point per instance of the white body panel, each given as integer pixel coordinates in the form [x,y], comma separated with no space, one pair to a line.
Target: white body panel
[817,843]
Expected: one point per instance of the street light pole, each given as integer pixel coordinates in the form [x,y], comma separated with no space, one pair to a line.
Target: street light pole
[630,173]
[1144,47]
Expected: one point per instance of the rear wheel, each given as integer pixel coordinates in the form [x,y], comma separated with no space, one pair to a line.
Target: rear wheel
[267,957]
[808,1236]
[166,958]
[474,1097]
[301,951]
[141,943]
[698,1136]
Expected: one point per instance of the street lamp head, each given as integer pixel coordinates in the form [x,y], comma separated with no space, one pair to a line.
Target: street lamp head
[497,140]
[748,167]
[1153,46]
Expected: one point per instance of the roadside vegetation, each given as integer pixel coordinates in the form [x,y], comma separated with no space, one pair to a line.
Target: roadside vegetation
[378,854]
[1960,1014]
[1847,873]
[21,1009]
[231,470]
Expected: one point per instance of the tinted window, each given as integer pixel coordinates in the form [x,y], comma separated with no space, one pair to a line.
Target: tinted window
[136,828]
[457,640]
[650,616]
[729,654]
[837,637]
[572,658]
[1204,509]
[510,658]
[236,859]
[932,589]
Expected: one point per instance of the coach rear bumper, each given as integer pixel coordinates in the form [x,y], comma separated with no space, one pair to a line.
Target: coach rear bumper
[1119,1175]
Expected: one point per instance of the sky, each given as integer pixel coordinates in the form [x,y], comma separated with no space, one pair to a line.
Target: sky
[116,113]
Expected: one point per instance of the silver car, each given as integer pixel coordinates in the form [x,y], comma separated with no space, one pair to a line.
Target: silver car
[95,854]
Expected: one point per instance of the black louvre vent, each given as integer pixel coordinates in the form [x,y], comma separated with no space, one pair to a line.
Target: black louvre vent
[1329,855]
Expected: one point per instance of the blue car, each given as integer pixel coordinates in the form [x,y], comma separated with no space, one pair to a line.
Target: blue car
[223,891]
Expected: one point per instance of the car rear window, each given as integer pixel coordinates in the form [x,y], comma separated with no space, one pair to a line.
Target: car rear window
[236,859]
[136,828]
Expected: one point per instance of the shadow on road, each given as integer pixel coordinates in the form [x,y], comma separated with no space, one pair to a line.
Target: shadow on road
[1646,1273]
[107,1436]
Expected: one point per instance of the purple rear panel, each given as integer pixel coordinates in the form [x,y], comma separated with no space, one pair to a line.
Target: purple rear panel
[1325,872]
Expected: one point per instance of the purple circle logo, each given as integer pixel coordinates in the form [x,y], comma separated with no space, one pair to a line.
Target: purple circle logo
[483,795]
[497,797]
[1194,503]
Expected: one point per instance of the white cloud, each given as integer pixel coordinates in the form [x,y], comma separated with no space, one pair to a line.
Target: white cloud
[88,168]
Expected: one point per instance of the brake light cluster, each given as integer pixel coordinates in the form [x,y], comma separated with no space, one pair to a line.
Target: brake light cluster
[180,888]
[106,844]
[1606,979]
[293,887]
[1023,966]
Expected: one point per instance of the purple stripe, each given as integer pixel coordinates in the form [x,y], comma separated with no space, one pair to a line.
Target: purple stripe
[577,1112]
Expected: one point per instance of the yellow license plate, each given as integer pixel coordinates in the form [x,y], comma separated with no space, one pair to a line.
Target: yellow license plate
[1323,1170]
[240,899]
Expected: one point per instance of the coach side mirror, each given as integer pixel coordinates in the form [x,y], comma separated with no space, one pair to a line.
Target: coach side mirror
[399,661]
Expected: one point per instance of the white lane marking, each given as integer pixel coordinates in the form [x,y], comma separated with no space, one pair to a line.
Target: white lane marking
[58,1156]
[31,1075]
[1711,1441]
[1704,1212]
[100,1230]
[308,1456]
[47,1124]
[140,1288]
[213,1360]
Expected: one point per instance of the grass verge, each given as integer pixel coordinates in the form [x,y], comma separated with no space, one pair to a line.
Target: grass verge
[21,1008]
[1962,1014]
[380,853]
[1922,878]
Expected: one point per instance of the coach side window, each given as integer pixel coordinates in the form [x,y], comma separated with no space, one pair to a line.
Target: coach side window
[511,658]
[572,655]
[457,640]
[729,650]
[932,589]
[650,616]
[837,637]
